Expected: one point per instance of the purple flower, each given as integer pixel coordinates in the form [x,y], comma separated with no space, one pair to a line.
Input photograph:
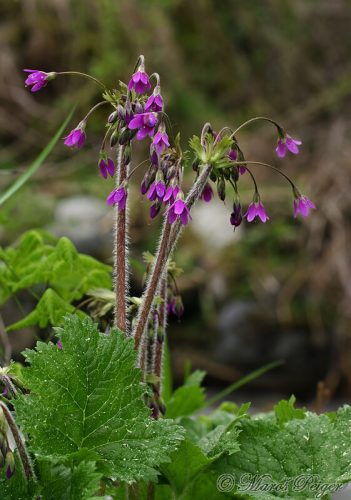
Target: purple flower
[242,170]
[236,216]
[171,194]
[38,79]
[179,209]
[154,102]
[157,190]
[207,193]
[107,168]
[154,158]
[256,209]
[302,206]
[139,82]
[154,210]
[175,306]
[233,154]
[145,122]
[59,344]
[118,197]
[160,141]
[288,143]
[76,138]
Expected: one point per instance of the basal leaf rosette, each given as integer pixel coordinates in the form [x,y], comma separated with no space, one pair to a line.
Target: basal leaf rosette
[89,396]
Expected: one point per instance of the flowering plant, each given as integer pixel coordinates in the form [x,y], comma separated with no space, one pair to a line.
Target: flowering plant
[89,416]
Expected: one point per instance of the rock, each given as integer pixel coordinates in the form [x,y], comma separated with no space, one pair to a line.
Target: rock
[87,222]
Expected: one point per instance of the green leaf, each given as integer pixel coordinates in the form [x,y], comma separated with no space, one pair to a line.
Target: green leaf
[50,309]
[37,162]
[311,446]
[89,396]
[78,482]
[187,399]
[185,463]
[285,411]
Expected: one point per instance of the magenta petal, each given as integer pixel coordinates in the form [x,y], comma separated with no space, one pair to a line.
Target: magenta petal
[178,206]
[171,215]
[310,204]
[103,169]
[251,212]
[111,167]
[280,149]
[142,133]
[111,198]
[151,195]
[262,213]
[136,122]
[291,145]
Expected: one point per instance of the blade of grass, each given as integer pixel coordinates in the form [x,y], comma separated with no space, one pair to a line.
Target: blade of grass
[36,163]
[245,380]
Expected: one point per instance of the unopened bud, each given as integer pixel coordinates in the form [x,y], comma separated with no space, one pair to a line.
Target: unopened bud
[236,216]
[155,209]
[9,464]
[221,188]
[114,138]
[195,165]
[213,176]
[127,154]
[160,334]
[138,107]
[234,173]
[113,117]
[121,112]
[125,136]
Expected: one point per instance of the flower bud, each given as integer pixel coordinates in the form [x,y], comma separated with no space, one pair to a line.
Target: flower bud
[138,107]
[127,154]
[195,165]
[155,209]
[121,112]
[113,117]
[160,334]
[114,138]
[125,136]
[221,188]
[9,464]
[213,176]
[236,216]
[234,173]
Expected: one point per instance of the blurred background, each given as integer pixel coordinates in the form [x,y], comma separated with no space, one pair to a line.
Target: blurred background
[279,291]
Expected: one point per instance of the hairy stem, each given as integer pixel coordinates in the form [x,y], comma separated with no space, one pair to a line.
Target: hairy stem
[121,270]
[167,244]
[160,338]
[152,284]
[27,466]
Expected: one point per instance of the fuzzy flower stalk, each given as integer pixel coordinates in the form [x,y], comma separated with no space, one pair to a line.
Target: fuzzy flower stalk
[136,112]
